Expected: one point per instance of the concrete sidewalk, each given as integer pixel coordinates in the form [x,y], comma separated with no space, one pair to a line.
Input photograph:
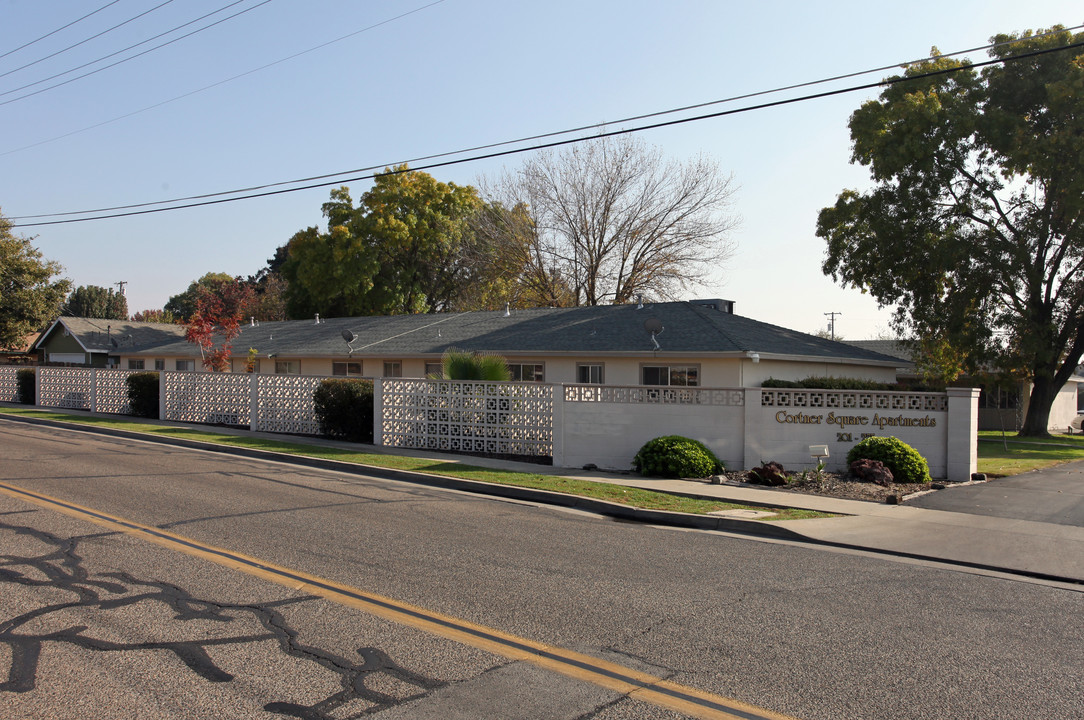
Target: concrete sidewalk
[1035,549]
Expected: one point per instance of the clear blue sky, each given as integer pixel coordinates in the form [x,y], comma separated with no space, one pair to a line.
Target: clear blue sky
[456,74]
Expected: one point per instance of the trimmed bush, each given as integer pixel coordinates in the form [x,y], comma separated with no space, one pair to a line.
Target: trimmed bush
[344,409]
[675,456]
[27,382]
[143,394]
[906,464]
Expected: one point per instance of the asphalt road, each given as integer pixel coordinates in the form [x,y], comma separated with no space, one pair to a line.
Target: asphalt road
[1051,495]
[99,623]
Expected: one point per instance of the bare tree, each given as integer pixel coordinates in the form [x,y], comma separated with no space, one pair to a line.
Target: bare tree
[614,220]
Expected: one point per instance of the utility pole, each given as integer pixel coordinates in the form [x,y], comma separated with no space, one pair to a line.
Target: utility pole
[832,323]
[120,285]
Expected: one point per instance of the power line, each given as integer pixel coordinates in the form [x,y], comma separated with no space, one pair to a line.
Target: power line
[54,32]
[81,42]
[223,82]
[145,52]
[531,138]
[543,146]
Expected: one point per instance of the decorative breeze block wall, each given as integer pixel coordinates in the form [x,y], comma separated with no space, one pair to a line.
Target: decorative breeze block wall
[62,387]
[206,397]
[467,416]
[285,404]
[9,384]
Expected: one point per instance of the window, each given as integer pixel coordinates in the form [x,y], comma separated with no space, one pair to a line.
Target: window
[527,372]
[434,370]
[135,364]
[159,364]
[287,367]
[589,374]
[682,375]
[185,365]
[346,368]
[999,398]
[393,368]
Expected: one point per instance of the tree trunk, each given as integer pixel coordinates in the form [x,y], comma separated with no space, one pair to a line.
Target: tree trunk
[1037,420]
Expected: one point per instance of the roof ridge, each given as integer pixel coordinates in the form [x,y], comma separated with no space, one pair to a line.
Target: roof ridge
[702,311]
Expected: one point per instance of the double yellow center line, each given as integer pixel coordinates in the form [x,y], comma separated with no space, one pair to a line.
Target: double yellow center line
[618,678]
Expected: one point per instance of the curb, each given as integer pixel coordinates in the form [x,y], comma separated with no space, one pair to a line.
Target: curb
[617,511]
[477,487]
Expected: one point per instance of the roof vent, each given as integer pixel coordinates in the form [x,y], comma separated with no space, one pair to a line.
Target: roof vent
[725,306]
[317,318]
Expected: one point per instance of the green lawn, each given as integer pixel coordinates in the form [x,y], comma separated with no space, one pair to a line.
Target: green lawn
[635,497]
[1024,454]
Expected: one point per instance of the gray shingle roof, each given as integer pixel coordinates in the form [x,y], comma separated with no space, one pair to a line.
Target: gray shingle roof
[610,329]
[115,336]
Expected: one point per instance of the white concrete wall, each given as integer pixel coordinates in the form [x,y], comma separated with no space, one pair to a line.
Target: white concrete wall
[610,434]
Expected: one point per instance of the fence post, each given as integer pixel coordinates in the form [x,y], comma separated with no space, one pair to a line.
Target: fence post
[961,435]
[162,395]
[254,402]
[752,447]
[37,386]
[378,411]
[557,426]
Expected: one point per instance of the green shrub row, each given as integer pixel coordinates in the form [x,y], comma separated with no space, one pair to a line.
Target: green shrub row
[27,383]
[842,383]
[143,394]
[344,409]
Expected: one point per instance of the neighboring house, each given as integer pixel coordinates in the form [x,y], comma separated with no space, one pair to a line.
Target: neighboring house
[697,343]
[1000,407]
[92,342]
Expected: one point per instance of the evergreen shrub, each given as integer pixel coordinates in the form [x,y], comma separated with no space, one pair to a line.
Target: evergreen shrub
[344,409]
[674,456]
[27,382]
[906,464]
[143,394]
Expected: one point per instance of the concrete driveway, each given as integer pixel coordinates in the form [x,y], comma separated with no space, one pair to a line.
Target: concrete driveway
[1054,495]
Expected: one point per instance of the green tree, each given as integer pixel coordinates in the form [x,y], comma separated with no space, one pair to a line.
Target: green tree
[398,251]
[93,301]
[155,316]
[30,294]
[183,305]
[974,228]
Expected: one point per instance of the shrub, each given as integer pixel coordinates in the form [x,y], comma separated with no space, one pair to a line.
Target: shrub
[143,394]
[769,473]
[27,382]
[344,409]
[465,365]
[905,463]
[675,456]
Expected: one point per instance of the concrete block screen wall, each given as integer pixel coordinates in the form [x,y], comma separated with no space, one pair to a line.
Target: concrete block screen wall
[576,425]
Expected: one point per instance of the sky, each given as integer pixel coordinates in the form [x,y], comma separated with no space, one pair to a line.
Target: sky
[290,90]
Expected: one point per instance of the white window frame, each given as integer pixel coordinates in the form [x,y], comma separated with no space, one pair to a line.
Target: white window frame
[345,366]
[671,369]
[591,369]
[538,371]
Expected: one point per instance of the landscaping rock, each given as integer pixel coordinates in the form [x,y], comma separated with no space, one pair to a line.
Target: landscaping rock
[873,471]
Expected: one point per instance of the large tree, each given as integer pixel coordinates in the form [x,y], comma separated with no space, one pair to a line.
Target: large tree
[216,321]
[183,305]
[31,296]
[613,219]
[398,251]
[93,301]
[974,228]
